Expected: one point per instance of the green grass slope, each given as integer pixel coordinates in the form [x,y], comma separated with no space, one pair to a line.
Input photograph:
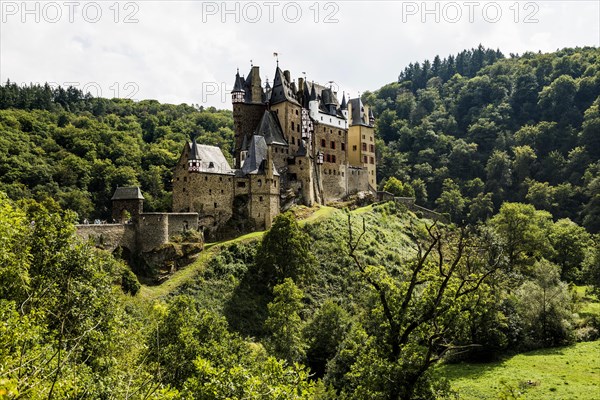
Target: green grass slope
[565,373]
[224,281]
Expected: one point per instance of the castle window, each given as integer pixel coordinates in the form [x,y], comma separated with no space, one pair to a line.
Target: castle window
[299,162]
[259,183]
[372,148]
[276,149]
[296,112]
[241,184]
[333,144]
[220,179]
[298,128]
[339,133]
[221,191]
[260,198]
[293,140]
[342,173]
[215,205]
[184,178]
[371,138]
[372,160]
[365,159]
[292,125]
[343,146]
[354,148]
[183,189]
[274,183]
[211,164]
[328,158]
[323,143]
[291,161]
[332,158]
[206,178]
[209,191]
[364,147]
[329,119]
[321,118]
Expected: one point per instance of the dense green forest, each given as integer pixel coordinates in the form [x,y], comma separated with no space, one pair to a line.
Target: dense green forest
[468,132]
[78,149]
[463,134]
[356,305]
[361,304]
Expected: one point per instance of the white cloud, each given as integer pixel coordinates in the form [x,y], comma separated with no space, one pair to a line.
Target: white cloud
[175,51]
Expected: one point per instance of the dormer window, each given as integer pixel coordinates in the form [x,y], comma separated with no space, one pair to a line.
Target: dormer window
[211,164]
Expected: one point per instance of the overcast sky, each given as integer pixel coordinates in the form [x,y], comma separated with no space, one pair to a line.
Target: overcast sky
[188,51]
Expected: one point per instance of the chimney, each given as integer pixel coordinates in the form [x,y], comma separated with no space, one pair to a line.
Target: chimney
[286,73]
[256,85]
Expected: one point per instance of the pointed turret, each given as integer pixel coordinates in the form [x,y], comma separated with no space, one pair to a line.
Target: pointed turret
[371,117]
[194,156]
[237,94]
[305,95]
[313,93]
[344,106]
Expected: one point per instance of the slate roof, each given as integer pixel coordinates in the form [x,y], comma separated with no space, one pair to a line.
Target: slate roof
[358,116]
[328,102]
[127,193]
[270,128]
[305,95]
[238,86]
[210,158]
[282,89]
[255,162]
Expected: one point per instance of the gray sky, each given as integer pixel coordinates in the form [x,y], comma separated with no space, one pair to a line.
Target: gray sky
[188,51]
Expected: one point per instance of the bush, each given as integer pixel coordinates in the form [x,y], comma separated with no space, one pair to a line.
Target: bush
[129,282]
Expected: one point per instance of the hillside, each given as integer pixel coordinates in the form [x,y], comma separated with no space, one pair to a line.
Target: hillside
[329,303]
[464,133]
[471,131]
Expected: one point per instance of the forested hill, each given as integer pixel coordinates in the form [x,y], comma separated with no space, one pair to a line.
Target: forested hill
[470,131]
[76,149]
[463,134]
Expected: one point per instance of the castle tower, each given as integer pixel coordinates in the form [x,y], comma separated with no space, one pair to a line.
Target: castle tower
[361,139]
[249,103]
[127,202]
[237,94]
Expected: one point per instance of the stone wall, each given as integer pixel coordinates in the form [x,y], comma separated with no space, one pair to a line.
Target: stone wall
[152,230]
[264,200]
[246,118]
[109,236]
[290,119]
[181,222]
[358,179]
[210,195]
